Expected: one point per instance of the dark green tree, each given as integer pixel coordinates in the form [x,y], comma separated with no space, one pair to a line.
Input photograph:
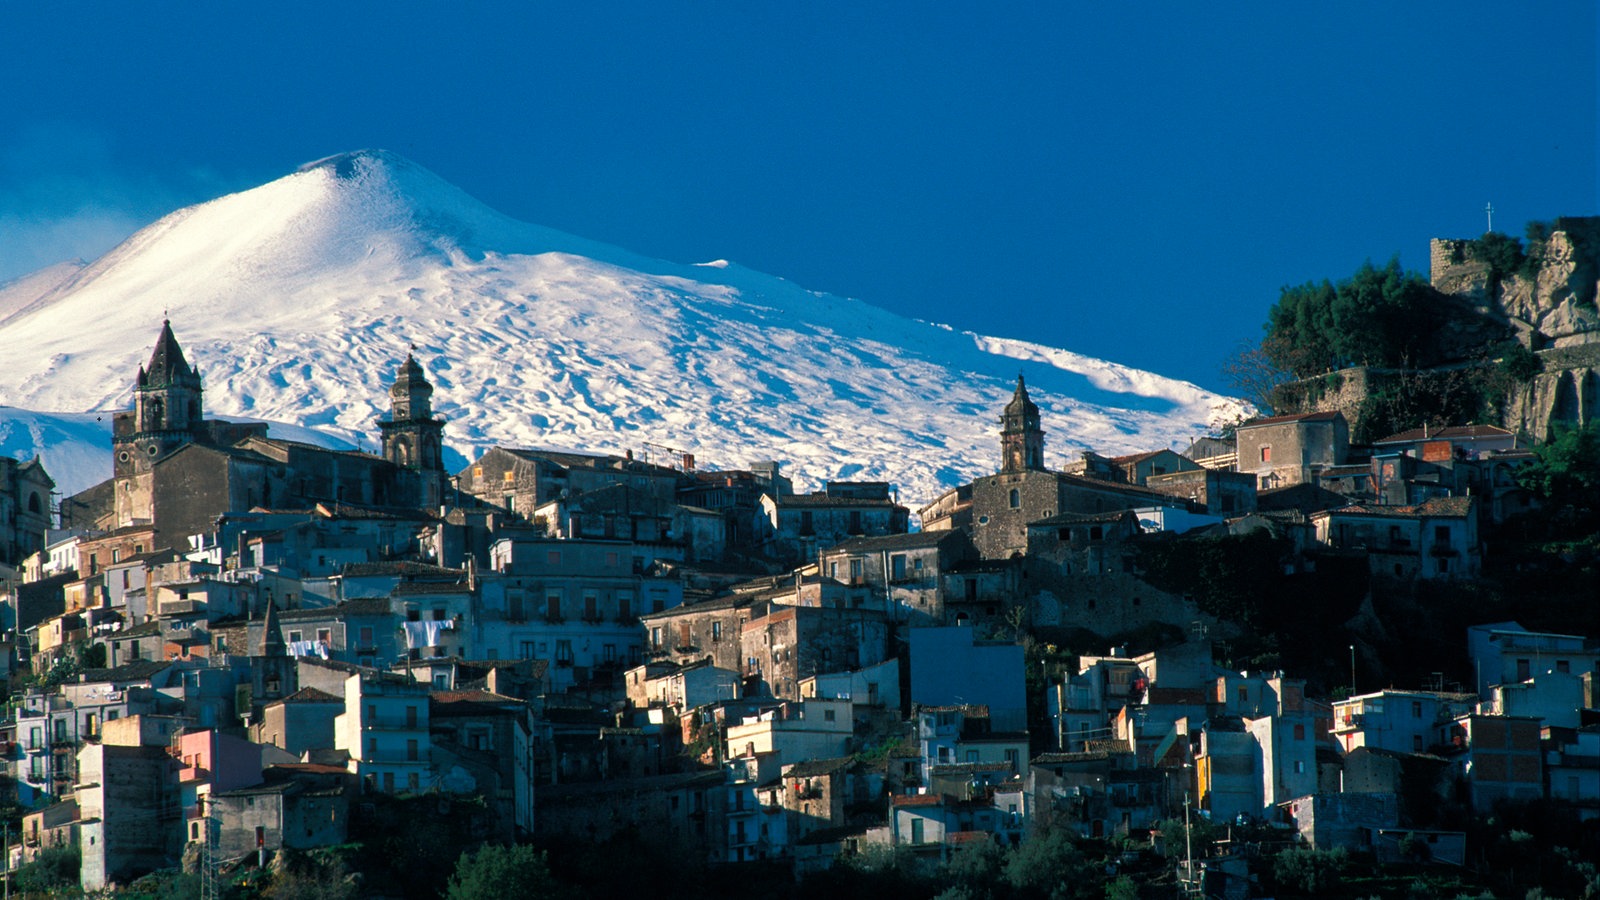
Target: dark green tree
[53,873]
[1306,872]
[495,872]
[1300,329]
[1567,468]
[1381,316]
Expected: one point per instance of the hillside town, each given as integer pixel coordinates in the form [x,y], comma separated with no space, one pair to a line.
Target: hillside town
[238,647]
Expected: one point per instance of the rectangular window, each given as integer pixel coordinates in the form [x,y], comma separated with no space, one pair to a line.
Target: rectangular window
[916,831]
[608,652]
[295,637]
[411,750]
[411,717]
[716,632]
[624,607]
[1266,453]
[552,604]
[564,653]
[897,566]
[438,614]
[591,606]
[325,635]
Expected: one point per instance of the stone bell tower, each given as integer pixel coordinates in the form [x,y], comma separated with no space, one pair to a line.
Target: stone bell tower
[1021,438]
[413,435]
[167,411]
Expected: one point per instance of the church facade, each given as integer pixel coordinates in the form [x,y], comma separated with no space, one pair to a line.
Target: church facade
[177,471]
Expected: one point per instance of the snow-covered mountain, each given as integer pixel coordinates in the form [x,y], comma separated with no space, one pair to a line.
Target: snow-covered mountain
[297,300]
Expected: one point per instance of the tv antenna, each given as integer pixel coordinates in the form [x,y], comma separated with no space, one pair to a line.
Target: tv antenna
[1488,210]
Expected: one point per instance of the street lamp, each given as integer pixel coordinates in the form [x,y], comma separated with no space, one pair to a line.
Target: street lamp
[1352,670]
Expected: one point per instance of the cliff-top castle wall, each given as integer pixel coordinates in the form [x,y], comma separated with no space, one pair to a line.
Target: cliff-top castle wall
[1551,305]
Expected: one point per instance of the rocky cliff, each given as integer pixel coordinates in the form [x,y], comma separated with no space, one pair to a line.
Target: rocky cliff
[1547,293]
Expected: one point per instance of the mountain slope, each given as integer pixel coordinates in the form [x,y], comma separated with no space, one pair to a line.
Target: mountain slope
[297,299]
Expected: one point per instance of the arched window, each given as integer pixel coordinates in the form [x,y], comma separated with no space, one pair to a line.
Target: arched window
[34,506]
[402,452]
[1016,498]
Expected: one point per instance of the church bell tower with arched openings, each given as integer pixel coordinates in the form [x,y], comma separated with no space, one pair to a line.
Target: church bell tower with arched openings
[413,435]
[167,412]
[1021,437]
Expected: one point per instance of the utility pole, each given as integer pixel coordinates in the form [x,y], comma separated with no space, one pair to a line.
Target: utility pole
[210,887]
[1188,848]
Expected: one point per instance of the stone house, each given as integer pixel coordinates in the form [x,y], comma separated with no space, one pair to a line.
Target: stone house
[50,828]
[797,730]
[384,729]
[1435,539]
[691,806]
[902,573]
[950,510]
[485,743]
[302,721]
[735,495]
[1227,770]
[520,481]
[296,806]
[983,592]
[680,688]
[1352,821]
[1139,468]
[757,822]
[920,820]
[1285,450]
[131,821]
[796,527]
[965,734]
[1507,653]
[574,602]
[871,687]
[1399,721]
[1572,768]
[1218,492]
[708,629]
[782,645]
[816,793]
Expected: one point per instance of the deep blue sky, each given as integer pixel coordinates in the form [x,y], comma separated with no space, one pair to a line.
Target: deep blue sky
[1130,181]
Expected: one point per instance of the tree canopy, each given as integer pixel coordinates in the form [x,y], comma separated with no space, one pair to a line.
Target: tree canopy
[494,872]
[1378,317]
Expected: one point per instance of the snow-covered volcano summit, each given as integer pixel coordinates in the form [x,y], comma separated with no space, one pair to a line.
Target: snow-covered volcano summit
[297,299]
